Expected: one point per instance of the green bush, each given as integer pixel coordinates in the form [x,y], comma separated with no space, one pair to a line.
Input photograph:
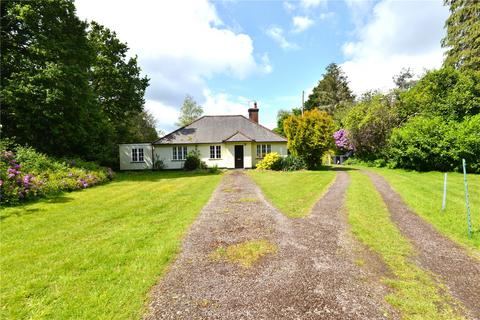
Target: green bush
[433,143]
[193,162]
[271,161]
[293,163]
[26,174]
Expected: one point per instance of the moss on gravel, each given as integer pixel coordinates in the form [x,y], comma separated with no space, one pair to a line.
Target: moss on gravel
[246,253]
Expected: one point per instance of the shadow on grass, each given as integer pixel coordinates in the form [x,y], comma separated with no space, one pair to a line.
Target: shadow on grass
[22,209]
[161,175]
[336,168]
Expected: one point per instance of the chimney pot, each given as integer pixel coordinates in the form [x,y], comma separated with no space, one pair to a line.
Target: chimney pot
[253,113]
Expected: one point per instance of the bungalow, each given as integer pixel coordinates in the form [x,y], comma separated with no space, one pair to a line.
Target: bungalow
[225,141]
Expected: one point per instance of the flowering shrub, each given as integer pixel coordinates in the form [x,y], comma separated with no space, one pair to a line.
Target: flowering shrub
[342,140]
[271,161]
[25,174]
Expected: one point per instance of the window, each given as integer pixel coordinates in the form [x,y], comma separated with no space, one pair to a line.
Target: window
[137,155]
[215,152]
[263,149]
[179,153]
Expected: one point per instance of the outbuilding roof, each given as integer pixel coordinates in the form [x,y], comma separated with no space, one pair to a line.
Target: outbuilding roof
[218,129]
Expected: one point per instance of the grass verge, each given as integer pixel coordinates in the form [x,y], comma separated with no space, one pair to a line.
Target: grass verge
[96,253]
[414,293]
[294,193]
[246,253]
[423,192]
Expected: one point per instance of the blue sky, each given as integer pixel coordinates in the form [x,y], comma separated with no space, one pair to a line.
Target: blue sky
[228,53]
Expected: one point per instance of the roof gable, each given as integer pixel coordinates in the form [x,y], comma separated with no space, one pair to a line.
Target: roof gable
[217,129]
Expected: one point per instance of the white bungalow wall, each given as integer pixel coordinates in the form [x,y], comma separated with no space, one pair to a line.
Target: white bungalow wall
[164,153]
[125,153]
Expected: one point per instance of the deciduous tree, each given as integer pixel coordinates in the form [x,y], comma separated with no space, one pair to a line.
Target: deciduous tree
[189,112]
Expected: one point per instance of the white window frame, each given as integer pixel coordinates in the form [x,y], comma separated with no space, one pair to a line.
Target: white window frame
[138,155]
[179,153]
[215,152]
[263,149]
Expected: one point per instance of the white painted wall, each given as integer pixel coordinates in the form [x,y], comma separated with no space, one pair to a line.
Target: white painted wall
[278,147]
[164,153]
[125,154]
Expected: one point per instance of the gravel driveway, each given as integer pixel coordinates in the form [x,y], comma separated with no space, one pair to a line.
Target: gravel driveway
[311,276]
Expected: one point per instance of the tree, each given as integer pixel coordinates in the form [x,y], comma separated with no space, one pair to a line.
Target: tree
[332,92]
[189,112]
[463,35]
[115,80]
[143,128]
[404,80]
[281,116]
[310,136]
[369,124]
[447,92]
[46,98]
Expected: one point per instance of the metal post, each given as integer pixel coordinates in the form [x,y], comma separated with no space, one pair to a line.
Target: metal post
[444,202]
[469,222]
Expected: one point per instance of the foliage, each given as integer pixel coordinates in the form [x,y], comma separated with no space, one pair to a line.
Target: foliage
[281,116]
[189,112]
[332,91]
[342,140]
[369,124]
[404,80]
[447,92]
[293,163]
[47,101]
[193,162]
[26,174]
[67,90]
[310,136]
[271,161]
[463,35]
[93,244]
[435,144]
[294,193]
[414,291]
[119,90]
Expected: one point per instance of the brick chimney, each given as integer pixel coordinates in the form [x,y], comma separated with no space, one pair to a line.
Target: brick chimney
[253,113]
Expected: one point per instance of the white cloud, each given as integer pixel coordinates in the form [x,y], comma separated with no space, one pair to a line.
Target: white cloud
[400,34]
[276,33]
[267,67]
[289,7]
[179,45]
[223,103]
[301,23]
[312,3]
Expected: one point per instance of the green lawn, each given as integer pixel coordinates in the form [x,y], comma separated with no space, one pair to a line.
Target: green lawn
[414,293]
[294,193]
[423,192]
[96,253]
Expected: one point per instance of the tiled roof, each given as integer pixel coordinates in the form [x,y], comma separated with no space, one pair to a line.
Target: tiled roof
[217,129]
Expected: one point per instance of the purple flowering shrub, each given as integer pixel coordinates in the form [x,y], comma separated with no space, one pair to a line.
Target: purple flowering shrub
[342,140]
[26,174]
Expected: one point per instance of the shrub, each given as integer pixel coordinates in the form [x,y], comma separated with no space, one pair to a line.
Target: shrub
[213,169]
[293,163]
[271,161]
[310,136]
[193,162]
[26,174]
[435,144]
